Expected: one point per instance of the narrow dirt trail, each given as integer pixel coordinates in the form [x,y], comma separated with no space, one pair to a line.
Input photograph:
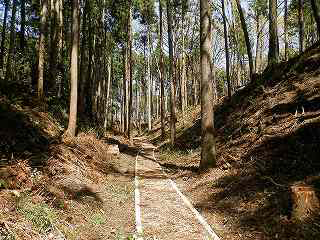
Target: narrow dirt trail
[162,211]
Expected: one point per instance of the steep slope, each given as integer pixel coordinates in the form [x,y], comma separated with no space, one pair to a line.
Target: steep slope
[268,139]
[51,189]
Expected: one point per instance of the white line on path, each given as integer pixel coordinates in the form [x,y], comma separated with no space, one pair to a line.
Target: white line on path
[201,220]
[137,202]
[195,212]
[190,206]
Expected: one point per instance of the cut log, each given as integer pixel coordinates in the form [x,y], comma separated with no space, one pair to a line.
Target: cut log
[305,202]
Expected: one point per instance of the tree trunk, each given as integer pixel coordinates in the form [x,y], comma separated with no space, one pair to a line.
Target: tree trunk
[43,32]
[107,110]
[12,40]
[83,60]
[285,29]
[301,26]
[183,68]
[257,43]
[316,15]
[71,131]
[4,29]
[59,76]
[130,71]
[226,47]
[23,24]
[161,74]
[246,36]
[124,86]
[149,83]
[273,55]
[171,75]
[208,152]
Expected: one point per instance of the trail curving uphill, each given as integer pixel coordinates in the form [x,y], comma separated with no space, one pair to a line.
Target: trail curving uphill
[162,211]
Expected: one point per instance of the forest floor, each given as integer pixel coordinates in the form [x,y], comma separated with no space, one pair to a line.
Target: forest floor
[268,139]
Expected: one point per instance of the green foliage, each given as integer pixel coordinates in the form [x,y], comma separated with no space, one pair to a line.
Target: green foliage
[42,216]
[98,219]
[3,184]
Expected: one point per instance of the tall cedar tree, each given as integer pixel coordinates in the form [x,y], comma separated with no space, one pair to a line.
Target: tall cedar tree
[12,40]
[4,29]
[273,55]
[208,151]
[171,76]
[161,71]
[226,47]
[43,30]
[71,131]
[246,36]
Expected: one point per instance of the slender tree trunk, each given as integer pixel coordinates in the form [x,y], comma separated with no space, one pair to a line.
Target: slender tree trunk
[43,32]
[149,80]
[59,76]
[246,36]
[124,86]
[183,69]
[23,24]
[226,47]
[161,73]
[71,131]
[4,29]
[285,29]
[273,55]
[83,59]
[301,26]
[257,43]
[12,41]
[208,152]
[107,107]
[171,76]
[130,71]
[316,15]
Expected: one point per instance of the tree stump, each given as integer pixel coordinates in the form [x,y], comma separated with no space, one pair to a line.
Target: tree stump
[305,201]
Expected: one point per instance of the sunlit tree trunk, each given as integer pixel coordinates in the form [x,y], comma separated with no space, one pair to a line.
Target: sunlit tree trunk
[285,29]
[171,76]
[125,86]
[130,71]
[4,29]
[149,83]
[71,131]
[161,73]
[273,55]
[183,67]
[12,41]
[43,31]
[208,152]
[246,36]
[226,47]
[316,15]
[256,66]
[108,108]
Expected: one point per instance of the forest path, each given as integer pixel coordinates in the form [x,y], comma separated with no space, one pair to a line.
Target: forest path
[162,211]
